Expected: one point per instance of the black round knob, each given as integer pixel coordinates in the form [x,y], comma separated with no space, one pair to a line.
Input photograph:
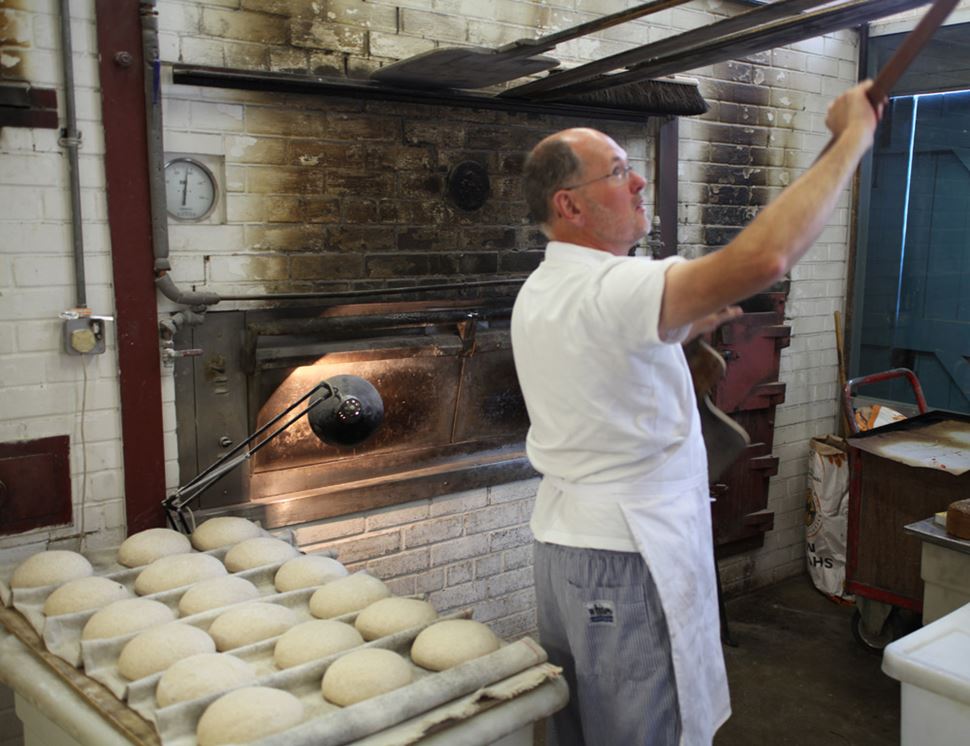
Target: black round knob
[468,185]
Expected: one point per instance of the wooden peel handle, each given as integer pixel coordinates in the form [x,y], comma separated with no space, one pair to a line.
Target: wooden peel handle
[902,58]
[912,45]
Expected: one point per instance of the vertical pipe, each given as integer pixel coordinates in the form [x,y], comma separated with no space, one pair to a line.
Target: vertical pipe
[70,142]
[667,197]
[156,149]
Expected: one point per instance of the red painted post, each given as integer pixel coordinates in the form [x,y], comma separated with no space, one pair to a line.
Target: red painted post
[129,220]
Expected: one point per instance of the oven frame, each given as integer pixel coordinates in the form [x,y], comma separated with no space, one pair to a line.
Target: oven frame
[208,390]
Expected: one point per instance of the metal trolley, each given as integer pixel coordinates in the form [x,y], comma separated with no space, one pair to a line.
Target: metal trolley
[885,494]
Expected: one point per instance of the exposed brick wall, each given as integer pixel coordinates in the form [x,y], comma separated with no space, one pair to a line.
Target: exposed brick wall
[43,391]
[466,550]
[329,193]
[324,208]
[766,124]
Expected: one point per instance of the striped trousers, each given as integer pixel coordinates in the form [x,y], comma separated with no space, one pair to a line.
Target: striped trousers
[600,619]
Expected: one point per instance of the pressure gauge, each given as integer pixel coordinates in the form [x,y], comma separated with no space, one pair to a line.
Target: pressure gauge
[190,189]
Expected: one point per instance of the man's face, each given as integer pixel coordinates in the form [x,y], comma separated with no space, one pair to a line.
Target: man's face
[610,194]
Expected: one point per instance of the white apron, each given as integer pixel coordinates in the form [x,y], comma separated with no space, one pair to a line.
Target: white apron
[670,521]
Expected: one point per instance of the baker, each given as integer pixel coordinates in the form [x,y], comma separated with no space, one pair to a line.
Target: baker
[624,566]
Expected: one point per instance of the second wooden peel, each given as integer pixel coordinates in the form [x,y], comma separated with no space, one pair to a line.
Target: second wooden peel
[479,67]
[903,57]
[914,42]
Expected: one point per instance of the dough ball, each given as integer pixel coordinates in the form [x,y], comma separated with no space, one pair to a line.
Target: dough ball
[312,640]
[53,567]
[215,593]
[257,552]
[307,571]
[201,675]
[453,641]
[390,615]
[145,547]
[158,648]
[176,571]
[346,595]
[363,674]
[125,617]
[223,532]
[84,594]
[248,715]
[249,623]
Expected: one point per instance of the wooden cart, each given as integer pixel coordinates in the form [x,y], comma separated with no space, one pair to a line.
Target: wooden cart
[885,494]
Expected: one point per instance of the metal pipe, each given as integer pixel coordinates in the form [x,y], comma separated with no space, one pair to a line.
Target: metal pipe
[323,295]
[199,300]
[864,51]
[360,324]
[156,150]
[70,140]
[167,287]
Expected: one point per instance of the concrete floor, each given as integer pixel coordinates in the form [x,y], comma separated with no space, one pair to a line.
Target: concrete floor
[799,677]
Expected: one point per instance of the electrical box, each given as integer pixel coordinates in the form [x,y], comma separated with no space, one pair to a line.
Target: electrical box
[85,335]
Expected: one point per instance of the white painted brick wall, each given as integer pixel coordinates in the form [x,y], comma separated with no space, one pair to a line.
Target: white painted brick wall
[44,391]
[465,550]
[461,549]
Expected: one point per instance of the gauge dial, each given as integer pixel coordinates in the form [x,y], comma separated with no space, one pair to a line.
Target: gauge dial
[190,189]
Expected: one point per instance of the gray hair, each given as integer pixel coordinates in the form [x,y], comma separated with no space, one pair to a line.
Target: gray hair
[551,164]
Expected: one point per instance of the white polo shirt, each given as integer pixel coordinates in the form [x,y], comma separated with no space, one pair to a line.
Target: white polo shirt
[610,403]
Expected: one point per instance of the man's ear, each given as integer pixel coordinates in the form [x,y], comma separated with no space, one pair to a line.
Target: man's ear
[565,206]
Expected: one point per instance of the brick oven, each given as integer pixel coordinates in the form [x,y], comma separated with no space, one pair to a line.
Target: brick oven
[332,206]
[453,415]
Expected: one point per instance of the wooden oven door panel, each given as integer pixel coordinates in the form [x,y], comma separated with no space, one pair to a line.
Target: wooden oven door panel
[750,345]
[740,510]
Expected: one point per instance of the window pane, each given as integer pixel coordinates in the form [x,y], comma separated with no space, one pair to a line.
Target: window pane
[915,304]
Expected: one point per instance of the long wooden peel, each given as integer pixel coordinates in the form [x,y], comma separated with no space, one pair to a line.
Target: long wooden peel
[730,39]
[903,57]
[692,40]
[479,67]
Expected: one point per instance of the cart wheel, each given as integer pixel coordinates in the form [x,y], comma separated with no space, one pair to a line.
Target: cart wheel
[874,643]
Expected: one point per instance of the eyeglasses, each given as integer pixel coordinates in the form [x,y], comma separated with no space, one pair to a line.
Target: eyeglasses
[619,175]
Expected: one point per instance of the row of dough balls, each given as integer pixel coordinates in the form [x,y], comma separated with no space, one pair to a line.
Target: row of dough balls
[177,570]
[246,621]
[147,546]
[210,586]
[58,566]
[253,712]
[159,641]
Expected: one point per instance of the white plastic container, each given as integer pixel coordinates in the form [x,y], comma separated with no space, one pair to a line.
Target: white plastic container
[933,666]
